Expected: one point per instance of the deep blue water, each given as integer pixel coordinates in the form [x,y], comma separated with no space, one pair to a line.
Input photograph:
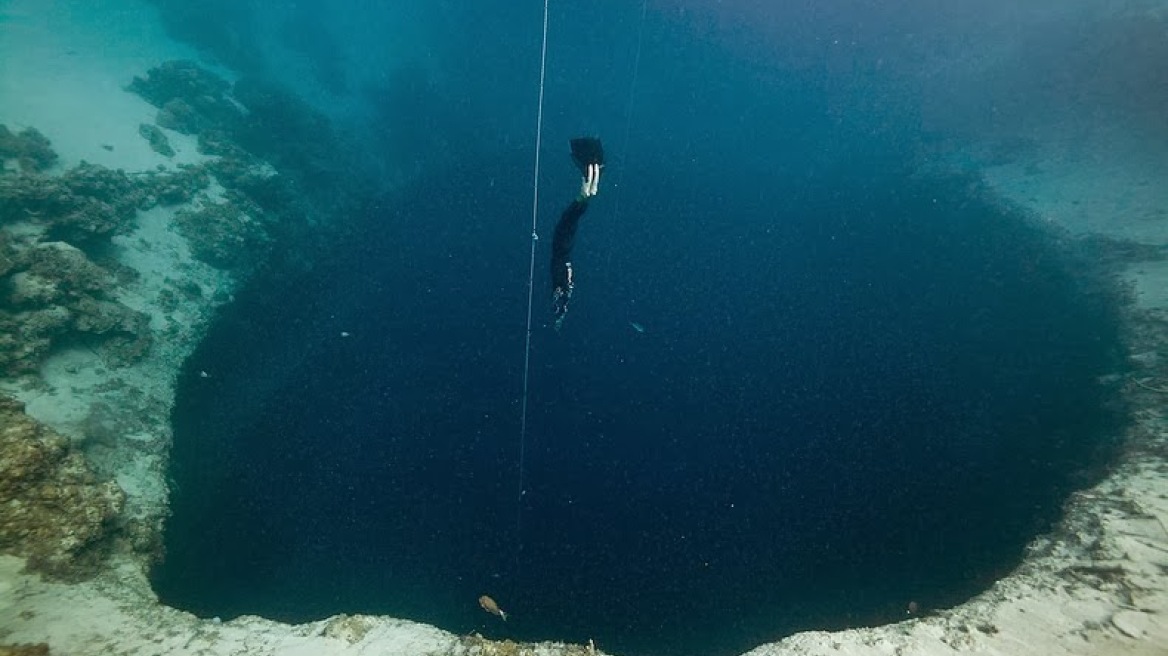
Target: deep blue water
[857,386]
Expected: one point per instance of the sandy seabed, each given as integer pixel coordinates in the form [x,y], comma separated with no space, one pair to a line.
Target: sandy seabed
[1096,585]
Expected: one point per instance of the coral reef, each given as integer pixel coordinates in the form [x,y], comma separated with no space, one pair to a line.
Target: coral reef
[55,292]
[56,513]
[179,116]
[172,187]
[251,177]
[57,271]
[216,142]
[277,126]
[86,204]
[29,149]
[227,235]
[53,232]
[191,99]
[261,200]
[157,139]
[178,79]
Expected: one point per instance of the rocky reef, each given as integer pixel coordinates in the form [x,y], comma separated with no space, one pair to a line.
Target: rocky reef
[190,98]
[29,150]
[157,139]
[89,204]
[57,513]
[111,274]
[225,235]
[279,162]
[247,119]
[56,294]
[59,270]
[58,278]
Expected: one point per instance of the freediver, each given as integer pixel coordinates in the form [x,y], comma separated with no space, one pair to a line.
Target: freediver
[588,155]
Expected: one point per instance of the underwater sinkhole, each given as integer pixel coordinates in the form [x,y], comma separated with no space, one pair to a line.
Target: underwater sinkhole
[842,394]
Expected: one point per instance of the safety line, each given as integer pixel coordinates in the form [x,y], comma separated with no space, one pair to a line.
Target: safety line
[531,285]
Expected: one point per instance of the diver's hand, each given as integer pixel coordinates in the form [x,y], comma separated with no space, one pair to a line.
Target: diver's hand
[591,184]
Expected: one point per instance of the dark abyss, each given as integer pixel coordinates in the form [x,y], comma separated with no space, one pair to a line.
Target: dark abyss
[853,391]
[856,388]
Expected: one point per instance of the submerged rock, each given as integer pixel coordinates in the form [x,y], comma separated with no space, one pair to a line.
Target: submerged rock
[56,292]
[85,204]
[88,204]
[29,148]
[190,98]
[226,235]
[178,115]
[157,139]
[56,513]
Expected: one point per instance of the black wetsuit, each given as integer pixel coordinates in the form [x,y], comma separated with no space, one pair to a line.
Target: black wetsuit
[588,154]
[562,281]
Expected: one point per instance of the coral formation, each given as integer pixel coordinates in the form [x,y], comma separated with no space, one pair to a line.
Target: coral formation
[226,235]
[29,149]
[285,168]
[53,232]
[190,98]
[217,142]
[56,272]
[179,116]
[85,204]
[157,139]
[55,292]
[172,187]
[56,513]
[259,182]
[88,204]
[52,289]
[277,126]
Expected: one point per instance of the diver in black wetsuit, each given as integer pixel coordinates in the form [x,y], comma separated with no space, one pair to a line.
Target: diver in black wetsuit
[589,157]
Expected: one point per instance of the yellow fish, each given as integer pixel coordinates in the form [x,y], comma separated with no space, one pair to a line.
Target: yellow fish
[491,607]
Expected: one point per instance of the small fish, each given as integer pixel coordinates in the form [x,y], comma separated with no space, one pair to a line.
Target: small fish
[491,607]
[637,327]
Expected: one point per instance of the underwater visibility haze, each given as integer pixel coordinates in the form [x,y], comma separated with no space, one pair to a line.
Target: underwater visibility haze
[810,378]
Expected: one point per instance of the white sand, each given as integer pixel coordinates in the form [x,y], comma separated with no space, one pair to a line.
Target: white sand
[1097,587]
[63,67]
